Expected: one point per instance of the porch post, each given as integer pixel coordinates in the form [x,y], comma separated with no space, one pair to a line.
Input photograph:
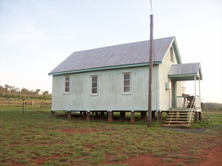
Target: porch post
[200,116]
[195,117]
[199,93]
[195,91]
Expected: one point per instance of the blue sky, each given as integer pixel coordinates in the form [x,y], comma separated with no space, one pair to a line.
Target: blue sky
[36,35]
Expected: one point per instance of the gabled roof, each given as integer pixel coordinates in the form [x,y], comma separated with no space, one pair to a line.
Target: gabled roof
[119,56]
[185,71]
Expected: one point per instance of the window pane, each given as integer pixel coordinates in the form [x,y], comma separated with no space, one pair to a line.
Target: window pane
[94,79]
[94,85]
[67,89]
[126,89]
[126,82]
[67,78]
[67,84]
[94,90]
[126,76]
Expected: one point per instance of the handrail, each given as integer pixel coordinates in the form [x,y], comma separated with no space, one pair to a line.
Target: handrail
[191,108]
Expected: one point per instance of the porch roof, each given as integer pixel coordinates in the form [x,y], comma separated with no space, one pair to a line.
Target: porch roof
[185,72]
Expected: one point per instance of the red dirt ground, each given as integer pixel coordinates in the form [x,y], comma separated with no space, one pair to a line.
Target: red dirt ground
[208,157]
[211,157]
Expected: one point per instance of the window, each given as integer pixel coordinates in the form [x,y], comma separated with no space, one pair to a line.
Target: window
[94,87]
[67,84]
[126,83]
[171,54]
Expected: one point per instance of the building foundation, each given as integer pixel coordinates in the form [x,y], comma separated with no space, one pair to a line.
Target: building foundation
[132,120]
[195,117]
[110,116]
[200,116]
[153,114]
[122,115]
[87,116]
[52,113]
[143,115]
[159,117]
[69,115]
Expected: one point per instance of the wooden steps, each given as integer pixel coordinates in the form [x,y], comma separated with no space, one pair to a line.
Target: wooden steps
[178,118]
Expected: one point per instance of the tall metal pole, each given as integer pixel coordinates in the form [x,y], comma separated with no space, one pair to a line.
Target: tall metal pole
[150,73]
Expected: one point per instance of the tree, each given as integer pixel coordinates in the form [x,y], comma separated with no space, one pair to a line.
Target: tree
[37,91]
[45,93]
[6,87]
[24,91]
[1,88]
[17,90]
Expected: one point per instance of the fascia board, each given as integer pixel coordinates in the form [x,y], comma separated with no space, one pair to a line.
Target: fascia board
[105,68]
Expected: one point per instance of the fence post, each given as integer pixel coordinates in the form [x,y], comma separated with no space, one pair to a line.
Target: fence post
[23,105]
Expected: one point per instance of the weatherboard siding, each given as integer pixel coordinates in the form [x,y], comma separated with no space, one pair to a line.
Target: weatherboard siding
[165,96]
[110,96]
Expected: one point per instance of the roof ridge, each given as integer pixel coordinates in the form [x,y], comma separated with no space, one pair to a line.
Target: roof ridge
[123,44]
[116,55]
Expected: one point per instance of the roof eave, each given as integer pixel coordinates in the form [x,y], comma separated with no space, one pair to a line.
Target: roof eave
[176,50]
[189,76]
[104,68]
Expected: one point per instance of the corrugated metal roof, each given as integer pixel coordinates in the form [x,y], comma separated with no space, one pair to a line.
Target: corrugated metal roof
[185,70]
[124,54]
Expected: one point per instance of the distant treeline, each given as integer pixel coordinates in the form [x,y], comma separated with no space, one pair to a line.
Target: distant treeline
[212,106]
[8,91]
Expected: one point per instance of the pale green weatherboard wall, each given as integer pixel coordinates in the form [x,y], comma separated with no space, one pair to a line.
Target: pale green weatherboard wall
[166,95]
[110,95]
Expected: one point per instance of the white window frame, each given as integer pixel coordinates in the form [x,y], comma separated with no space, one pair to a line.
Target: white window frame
[130,83]
[65,84]
[97,85]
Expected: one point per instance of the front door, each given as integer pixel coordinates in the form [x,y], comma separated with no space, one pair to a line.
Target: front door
[173,94]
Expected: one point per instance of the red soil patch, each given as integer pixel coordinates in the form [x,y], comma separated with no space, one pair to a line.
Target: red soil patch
[91,146]
[43,159]
[144,160]
[10,145]
[212,157]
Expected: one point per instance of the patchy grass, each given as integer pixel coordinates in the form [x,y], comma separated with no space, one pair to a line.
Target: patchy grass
[38,139]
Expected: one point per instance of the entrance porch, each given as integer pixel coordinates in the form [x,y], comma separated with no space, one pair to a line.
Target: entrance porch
[185,108]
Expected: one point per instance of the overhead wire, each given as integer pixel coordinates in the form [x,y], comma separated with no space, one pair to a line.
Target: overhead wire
[151,6]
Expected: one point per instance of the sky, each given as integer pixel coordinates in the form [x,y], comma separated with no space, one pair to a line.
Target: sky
[37,35]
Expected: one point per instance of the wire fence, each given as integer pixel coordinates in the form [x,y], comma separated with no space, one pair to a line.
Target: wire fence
[25,103]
